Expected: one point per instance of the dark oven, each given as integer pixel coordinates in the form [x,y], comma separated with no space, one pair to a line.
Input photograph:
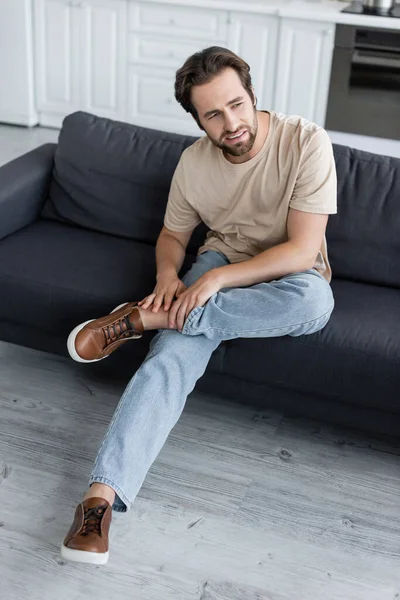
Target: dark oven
[364,93]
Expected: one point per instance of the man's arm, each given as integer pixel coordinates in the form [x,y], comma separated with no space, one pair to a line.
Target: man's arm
[170,254]
[170,251]
[305,236]
[180,220]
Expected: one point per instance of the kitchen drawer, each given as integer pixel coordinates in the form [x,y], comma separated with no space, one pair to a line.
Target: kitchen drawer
[183,21]
[152,92]
[159,51]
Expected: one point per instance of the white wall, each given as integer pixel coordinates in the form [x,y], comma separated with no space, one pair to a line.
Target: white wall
[16,62]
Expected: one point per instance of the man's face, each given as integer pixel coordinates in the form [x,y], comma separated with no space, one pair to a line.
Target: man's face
[226,113]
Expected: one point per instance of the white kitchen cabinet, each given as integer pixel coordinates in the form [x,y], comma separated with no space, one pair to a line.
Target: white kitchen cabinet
[80,58]
[305,51]
[17,91]
[118,58]
[254,38]
[152,101]
[178,21]
[56,59]
[160,38]
[103,75]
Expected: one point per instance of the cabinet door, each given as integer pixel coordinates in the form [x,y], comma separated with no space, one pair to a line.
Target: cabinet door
[254,38]
[304,66]
[152,101]
[56,56]
[103,58]
[17,93]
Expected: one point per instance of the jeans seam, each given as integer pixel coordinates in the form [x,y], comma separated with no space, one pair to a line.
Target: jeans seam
[270,328]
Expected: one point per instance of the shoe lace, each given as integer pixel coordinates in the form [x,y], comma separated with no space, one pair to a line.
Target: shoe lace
[92,520]
[122,328]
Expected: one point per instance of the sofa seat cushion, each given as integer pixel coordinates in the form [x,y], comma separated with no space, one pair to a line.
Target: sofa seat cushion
[355,358]
[57,276]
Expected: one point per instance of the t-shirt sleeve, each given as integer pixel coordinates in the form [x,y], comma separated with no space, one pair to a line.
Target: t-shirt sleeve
[179,214]
[315,190]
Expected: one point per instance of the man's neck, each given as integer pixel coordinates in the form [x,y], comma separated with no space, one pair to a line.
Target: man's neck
[263,119]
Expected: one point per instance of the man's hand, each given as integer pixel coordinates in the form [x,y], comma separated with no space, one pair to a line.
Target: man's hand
[168,286]
[196,295]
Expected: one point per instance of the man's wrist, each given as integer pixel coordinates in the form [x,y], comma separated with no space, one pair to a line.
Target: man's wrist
[218,275]
[168,272]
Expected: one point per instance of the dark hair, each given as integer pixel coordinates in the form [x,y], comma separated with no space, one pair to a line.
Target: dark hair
[203,66]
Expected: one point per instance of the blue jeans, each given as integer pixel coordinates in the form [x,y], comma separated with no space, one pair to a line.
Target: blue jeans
[154,399]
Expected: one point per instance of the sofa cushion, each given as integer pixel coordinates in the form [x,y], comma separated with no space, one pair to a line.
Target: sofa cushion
[57,276]
[364,237]
[354,359]
[114,178]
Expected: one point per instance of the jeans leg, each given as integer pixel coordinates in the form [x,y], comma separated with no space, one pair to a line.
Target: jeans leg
[298,304]
[153,402]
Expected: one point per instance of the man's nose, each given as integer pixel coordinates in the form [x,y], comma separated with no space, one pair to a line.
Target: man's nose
[231,122]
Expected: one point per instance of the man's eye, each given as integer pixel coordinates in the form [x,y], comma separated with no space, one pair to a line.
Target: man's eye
[238,104]
[212,116]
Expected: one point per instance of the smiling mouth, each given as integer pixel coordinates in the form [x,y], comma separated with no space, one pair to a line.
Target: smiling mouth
[236,137]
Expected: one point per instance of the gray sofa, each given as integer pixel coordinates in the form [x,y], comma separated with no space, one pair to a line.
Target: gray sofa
[78,226]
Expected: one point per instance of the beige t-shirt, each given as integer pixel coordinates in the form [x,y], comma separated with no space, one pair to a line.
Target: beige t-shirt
[246,205]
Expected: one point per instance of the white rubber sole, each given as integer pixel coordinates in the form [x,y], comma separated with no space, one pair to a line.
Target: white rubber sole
[81,556]
[71,343]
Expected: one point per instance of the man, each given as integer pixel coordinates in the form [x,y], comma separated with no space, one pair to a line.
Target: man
[265,184]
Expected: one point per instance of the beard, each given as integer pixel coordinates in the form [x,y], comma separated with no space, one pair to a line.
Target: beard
[240,148]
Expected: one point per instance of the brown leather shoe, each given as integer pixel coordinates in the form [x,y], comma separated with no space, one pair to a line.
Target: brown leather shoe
[96,339]
[87,539]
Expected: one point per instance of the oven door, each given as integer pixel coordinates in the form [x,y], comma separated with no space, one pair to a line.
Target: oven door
[364,93]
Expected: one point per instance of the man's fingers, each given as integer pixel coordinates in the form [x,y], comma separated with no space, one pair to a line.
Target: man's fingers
[145,303]
[189,308]
[168,300]
[157,302]
[180,317]
[172,314]
[180,289]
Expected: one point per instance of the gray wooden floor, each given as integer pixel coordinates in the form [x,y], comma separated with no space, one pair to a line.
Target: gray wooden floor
[239,504]
[15,141]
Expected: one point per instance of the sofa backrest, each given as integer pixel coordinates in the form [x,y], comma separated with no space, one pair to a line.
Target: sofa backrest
[364,237]
[114,178]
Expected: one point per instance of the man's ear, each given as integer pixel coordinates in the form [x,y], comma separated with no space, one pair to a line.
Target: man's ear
[254,96]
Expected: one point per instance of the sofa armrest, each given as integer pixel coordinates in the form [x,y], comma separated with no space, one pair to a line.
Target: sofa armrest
[24,183]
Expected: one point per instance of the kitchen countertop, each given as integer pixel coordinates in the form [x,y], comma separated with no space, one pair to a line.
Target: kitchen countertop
[328,11]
